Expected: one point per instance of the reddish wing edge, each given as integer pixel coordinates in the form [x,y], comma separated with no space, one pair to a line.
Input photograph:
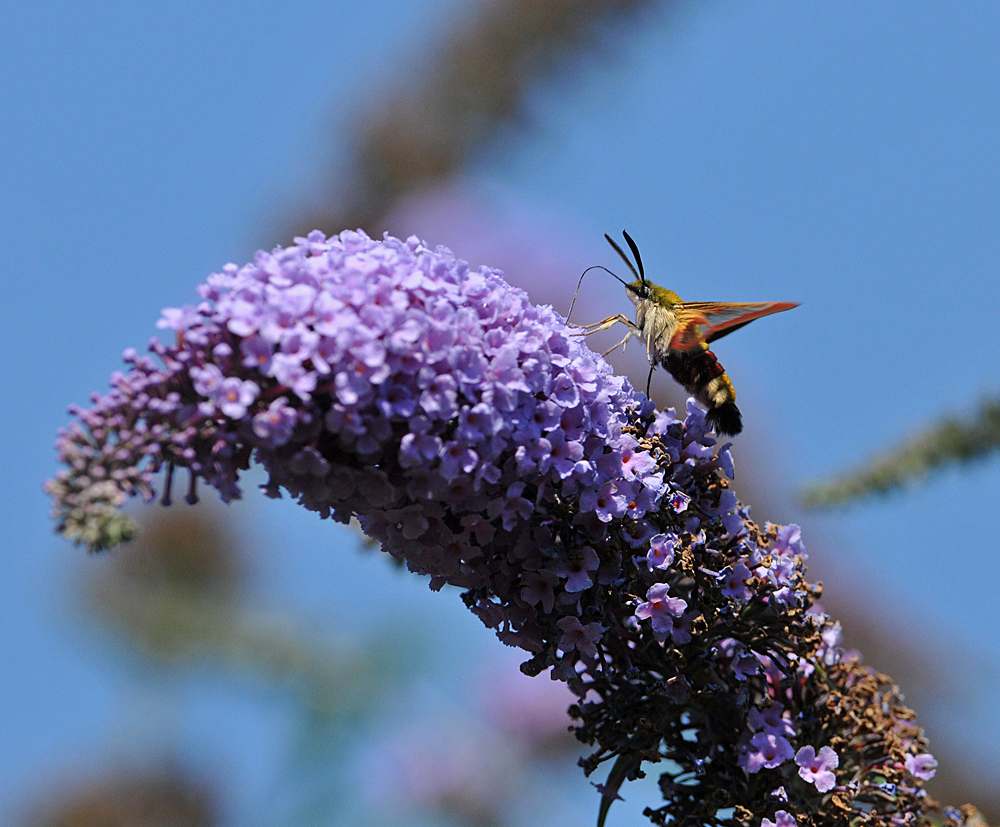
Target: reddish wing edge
[699,321]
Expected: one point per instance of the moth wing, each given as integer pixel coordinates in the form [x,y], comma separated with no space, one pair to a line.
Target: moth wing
[699,322]
[719,334]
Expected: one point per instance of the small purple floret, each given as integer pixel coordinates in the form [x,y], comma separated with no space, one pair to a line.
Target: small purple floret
[579,636]
[766,750]
[661,610]
[923,766]
[818,769]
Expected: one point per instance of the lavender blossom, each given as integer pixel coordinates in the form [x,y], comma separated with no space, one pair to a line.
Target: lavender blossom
[922,766]
[818,769]
[766,750]
[478,439]
[660,609]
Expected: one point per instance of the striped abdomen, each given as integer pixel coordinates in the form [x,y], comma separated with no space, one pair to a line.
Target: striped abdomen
[704,378]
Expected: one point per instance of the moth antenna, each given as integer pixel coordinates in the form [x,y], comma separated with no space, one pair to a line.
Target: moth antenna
[580,283]
[625,258]
[635,251]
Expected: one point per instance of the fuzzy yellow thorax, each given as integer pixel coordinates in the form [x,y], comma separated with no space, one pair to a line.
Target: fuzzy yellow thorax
[656,294]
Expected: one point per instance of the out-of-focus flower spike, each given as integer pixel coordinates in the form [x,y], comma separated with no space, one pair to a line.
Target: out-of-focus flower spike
[951,441]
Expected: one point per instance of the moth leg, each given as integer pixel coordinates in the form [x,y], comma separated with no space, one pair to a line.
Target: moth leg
[621,344]
[610,322]
[606,324]
[649,379]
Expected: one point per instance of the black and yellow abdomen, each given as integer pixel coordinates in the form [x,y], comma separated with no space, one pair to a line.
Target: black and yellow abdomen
[704,378]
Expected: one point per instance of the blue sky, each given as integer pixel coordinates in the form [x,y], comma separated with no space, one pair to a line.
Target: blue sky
[843,155]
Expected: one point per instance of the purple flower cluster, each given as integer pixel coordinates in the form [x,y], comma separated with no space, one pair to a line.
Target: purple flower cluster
[480,441]
[448,384]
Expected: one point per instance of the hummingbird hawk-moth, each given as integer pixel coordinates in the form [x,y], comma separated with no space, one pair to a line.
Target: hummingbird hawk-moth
[678,334]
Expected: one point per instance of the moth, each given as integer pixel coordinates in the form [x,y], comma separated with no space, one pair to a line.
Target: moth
[678,334]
